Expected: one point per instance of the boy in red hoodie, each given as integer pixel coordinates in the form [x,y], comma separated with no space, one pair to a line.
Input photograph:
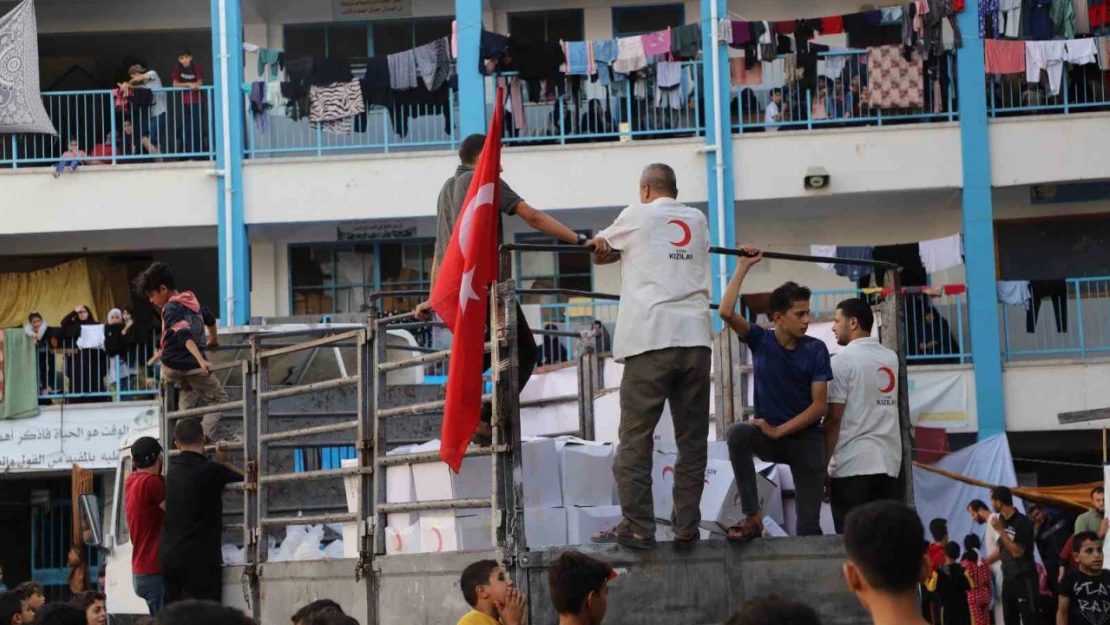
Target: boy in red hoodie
[184,322]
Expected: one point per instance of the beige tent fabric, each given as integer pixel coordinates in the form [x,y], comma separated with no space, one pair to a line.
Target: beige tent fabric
[1075,496]
[54,292]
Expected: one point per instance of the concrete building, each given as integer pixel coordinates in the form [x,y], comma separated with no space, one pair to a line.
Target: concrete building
[291,220]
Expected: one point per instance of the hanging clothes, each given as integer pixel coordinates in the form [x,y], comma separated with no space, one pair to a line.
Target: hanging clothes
[989,19]
[334,106]
[433,61]
[658,42]
[1098,13]
[579,58]
[668,86]
[414,103]
[864,30]
[832,25]
[630,55]
[1062,15]
[740,75]
[824,251]
[1057,291]
[1082,21]
[905,255]
[724,31]
[686,41]
[741,33]
[783,28]
[273,58]
[1010,12]
[1102,47]
[943,253]
[260,108]
[1015,293]
[940,10]
[854,272]
[402,70]
[892,16]
[895,81]
[1004,57]
[1081,51]
[1040,20]
[1047,56]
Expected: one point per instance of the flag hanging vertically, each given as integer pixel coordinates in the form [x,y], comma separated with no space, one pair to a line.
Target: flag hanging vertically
[460,295]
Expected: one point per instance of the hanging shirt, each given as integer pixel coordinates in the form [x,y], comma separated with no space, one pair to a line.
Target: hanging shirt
[630,55]
[1102,46]
[1004,57]
[865,382]
[989,22]
[1047,56]
[402,70]
[1015,293]
[1063,18]
[1081,51]
[825,251]
[1040,20]
[658,42]
[940,254]
[858,252]
[741,33]
[664,249]
[433,60]
[686,40]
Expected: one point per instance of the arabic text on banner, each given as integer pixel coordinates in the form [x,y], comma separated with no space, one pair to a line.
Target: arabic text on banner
[57,439]
[370,9]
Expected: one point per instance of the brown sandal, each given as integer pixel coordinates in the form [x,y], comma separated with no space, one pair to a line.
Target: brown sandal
[623,535]
[749,528]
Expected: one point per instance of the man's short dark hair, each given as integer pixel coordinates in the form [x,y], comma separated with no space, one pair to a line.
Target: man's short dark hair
[774,610]
[1002,495]
[11,604]
[938,529]
[952,550]
[661,179]
[471,148]
[60,614]
[191,612]
[572,577]
[784,297]
[1097,490]
[978,504]
[30,589]
[188,432]
[1082,537]
[856,308]
[475,575]
[312,609]
[85,599]
[885,540]
[154,277]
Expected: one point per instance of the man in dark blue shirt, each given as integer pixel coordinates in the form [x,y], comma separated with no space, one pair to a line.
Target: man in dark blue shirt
[792,374]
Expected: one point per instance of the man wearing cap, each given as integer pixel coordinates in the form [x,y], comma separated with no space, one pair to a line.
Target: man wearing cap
[145,504]
[152,120]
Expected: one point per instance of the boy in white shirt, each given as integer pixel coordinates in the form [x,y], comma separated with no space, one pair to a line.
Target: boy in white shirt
[773,114]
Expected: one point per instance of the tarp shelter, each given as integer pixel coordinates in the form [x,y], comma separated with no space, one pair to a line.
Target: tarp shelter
[54,292]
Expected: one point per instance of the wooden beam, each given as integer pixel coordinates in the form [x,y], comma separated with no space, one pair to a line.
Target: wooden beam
[1082,416]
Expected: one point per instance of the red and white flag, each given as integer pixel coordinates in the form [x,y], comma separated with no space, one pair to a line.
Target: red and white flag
[460,295]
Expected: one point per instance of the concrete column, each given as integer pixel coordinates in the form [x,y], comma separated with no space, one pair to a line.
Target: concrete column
[472,85]
[978,227]
[228,117]
[718,162]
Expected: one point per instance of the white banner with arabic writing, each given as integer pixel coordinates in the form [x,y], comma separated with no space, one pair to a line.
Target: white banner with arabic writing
[370,9]
[938,399]
[88,436]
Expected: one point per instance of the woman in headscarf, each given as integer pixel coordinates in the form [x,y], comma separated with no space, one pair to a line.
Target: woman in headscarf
[46,340]
[85,364]
[118,345]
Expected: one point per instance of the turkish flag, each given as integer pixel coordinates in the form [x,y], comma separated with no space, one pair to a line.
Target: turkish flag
[460,295]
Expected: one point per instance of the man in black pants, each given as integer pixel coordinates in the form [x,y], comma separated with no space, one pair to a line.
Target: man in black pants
[190,545]
[1015,549]
[448,207]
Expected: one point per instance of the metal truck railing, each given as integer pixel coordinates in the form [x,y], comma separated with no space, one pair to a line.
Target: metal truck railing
[375,407]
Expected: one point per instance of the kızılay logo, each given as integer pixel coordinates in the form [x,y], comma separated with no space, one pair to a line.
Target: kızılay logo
[892,380]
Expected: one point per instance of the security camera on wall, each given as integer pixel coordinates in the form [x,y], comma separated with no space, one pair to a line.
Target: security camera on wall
[816,179]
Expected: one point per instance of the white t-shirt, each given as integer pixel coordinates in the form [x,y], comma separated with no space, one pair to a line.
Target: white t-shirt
[154,83]
[664,249]
[769,117]
[865,380]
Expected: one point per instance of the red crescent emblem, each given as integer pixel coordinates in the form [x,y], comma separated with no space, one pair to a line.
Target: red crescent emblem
[439,539]
[400,545]
[686,236]
[667,470]
[890,378]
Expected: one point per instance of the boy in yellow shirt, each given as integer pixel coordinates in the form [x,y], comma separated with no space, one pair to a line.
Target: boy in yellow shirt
[492,597]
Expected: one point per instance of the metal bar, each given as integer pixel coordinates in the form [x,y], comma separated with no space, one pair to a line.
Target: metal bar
[319,429]
[384,294]
[312,519]
[547,401]
[1083,416]
[412,348]
[308,388]
[320,329]
[262,408]
[225,365]
[299,347]
[364,500]
[574,249]
[378,431]
[416,325]
[438,356]
[570,292]
[401,317]
[307,476]
[445,504]
[433,456]
[424,408]
[569,335]
[192,412]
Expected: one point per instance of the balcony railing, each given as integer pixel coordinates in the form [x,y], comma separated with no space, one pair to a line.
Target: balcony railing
[1071,324]
[1081,90]
[110,134]
[843,77]
[69,373]
[404,127]
[621,111]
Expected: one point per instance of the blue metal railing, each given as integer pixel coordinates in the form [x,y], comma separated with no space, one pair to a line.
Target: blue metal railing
[841,99]
[405,127]
[1012,94]
[620,111]
[68,373]
[1074,323]
[51,539]
[110,135]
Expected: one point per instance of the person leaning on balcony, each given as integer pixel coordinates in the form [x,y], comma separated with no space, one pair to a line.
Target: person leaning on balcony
[152,122]
[448,207]
[46,340]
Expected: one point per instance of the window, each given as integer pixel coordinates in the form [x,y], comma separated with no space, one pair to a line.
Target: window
[551,270]
[564,25]
[360,40]
[329,279]
[628,21]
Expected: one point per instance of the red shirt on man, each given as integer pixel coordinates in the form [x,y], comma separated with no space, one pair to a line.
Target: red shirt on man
[143,497]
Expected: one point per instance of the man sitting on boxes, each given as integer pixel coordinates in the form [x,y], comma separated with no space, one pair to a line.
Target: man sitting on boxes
[663,339]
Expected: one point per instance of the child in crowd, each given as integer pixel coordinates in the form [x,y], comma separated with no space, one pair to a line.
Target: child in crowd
[71,159]
[579,587]
[1085,592]
[491,595]
[951,584]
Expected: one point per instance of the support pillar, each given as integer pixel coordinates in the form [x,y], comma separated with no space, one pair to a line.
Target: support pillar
[978,228]
[472,85]
[234,255]
[722,199]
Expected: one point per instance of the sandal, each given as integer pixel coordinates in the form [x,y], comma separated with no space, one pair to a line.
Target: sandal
[687,540]
[747,529]
[622,535]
